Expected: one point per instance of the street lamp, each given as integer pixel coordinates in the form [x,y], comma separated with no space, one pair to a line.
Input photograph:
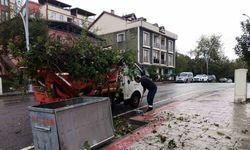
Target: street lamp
[207,57]
[23,10]
[246,16]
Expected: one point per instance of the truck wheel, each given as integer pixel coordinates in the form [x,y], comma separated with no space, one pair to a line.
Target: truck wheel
[135,100]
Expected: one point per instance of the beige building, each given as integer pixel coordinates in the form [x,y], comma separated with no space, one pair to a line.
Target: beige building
[50,10]
[58,11]
[154,44]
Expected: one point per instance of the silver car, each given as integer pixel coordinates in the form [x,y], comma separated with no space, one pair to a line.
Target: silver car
[184,77]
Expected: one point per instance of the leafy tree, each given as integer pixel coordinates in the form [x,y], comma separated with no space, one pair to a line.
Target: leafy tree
[239,63]
[208,50]
[219,64]
[12,31]
[210,47]
[83,60]
[183,63]
[243,42]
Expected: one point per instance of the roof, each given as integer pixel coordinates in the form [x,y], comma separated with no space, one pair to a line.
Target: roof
[132,17]
[69,27]
[82,12]
[54,2]
[104,12]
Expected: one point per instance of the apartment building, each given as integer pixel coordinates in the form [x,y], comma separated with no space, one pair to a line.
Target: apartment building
[154,45]
[50,10]
[4,10]
[58,11]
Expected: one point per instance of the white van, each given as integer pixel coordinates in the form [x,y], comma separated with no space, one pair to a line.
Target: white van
[130,90]
[185,77]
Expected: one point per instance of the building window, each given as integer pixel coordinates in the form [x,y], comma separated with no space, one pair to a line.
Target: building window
[52,15]
[170,46]
[61,18]
[170,60]
[4,15]
[163,43]
[120,37]
[157,41]
[4,2]
[156,57]
[146,39]
[146,55]
[163,58]
[69,19]
[78,22]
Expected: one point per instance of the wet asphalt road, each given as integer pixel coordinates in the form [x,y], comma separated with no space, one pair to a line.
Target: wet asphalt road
[15,132]
[167,93]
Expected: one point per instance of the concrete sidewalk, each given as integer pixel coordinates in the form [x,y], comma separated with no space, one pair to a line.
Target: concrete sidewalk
[205,122]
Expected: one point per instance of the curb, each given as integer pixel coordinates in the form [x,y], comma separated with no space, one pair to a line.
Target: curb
[126,141]
[15,94]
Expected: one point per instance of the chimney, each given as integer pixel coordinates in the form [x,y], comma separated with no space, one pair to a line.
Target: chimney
[112,11]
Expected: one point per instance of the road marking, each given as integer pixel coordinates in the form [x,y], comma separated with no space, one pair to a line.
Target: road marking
[28,148]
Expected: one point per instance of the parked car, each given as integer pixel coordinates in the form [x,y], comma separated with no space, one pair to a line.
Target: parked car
[211,78]
[223,79]
[200,78]
[185,77]
[229,80]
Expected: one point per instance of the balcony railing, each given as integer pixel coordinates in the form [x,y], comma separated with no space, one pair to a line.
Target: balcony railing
[163,62]
[164,47]
[156,61]
[170,51]
[157,45]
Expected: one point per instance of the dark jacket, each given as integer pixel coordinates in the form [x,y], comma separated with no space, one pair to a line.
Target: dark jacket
[147,83]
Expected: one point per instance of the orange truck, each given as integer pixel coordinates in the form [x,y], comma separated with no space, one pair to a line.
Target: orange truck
[119,86]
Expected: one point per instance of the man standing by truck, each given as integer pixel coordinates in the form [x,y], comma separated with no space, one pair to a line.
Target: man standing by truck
[148,84]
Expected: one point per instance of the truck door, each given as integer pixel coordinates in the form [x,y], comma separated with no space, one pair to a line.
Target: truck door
[130,85]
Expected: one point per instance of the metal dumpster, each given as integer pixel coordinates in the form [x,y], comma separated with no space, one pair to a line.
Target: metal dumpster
[73,124]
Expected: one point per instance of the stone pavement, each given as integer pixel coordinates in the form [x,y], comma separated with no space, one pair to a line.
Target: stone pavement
[211,121]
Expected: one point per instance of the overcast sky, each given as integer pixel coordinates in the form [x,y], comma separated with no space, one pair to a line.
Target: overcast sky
[189,19]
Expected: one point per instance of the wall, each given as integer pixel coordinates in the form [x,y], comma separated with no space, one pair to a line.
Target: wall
[108,24]
[130,42]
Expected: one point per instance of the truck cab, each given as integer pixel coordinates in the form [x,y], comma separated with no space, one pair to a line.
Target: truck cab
[130,91]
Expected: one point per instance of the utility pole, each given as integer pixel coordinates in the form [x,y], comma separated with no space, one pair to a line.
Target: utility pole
[23,11]
[206,58]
